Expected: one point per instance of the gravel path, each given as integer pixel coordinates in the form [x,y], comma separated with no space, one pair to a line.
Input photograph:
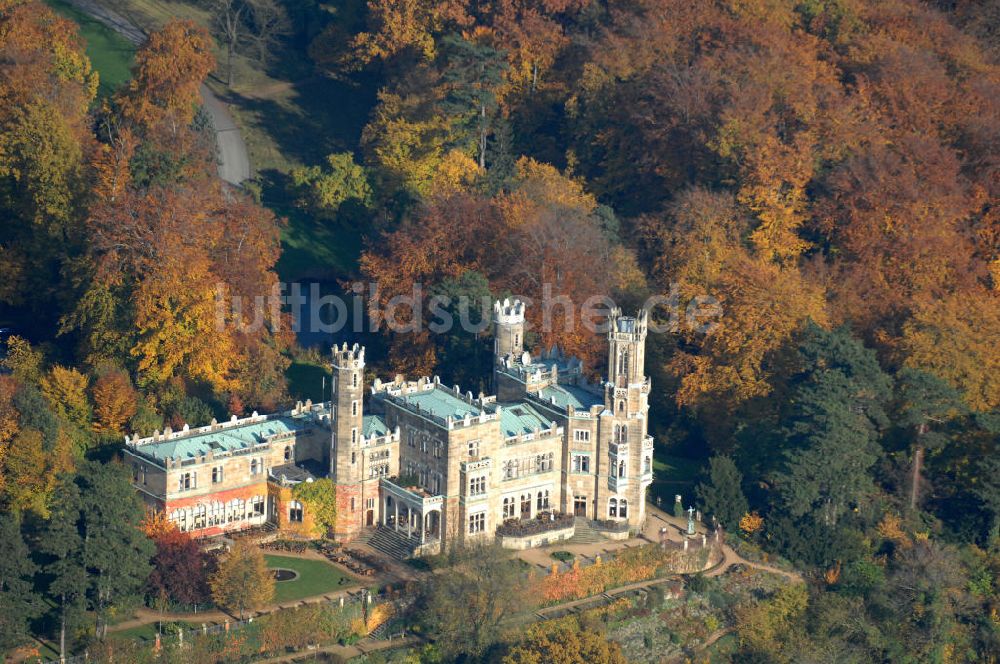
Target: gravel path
[234,162]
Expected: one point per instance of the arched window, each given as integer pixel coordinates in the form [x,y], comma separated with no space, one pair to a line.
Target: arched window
[621,468]
[288,453]
[543,500]
[295,512]
[613,508]
[621,406]
[525,505]
[623,509]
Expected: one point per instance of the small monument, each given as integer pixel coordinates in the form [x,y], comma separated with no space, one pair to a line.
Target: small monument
[690,512]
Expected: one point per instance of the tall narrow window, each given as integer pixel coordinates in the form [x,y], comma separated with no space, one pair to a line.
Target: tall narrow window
[288,453]
[295,512]
[254,467]
[621,468]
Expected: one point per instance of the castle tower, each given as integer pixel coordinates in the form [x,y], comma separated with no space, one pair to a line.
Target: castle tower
[624,423]
[346,458]
[626,348]
[508,329]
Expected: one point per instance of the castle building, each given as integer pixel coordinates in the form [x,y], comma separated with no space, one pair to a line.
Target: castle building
[433,464]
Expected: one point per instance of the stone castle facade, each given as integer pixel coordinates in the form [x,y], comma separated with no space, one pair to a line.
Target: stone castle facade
[434,464]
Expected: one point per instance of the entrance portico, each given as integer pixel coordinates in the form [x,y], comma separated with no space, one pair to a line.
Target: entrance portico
[411,512]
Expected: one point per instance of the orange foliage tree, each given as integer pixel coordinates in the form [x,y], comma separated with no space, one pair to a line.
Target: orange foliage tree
[115,402]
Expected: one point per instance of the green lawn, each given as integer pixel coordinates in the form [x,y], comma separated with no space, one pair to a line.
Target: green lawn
[674,475]
[315,578]
[676,469]
[110,53]
[147,632]
[305,381]
[313,248]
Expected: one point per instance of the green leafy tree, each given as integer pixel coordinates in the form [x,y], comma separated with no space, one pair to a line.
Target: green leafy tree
[462,357]
[61,544]
[987,476]
[323,190]
[835,414]
[465,607]
[242,582]
[17,595]
[473,75]
[925,404]
[115,551]
[722,494]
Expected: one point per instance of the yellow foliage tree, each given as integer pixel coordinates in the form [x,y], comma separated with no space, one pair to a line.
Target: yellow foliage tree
[242,582]
[751,522]
[955,338]
[564,642]
[760,627]
[66,391]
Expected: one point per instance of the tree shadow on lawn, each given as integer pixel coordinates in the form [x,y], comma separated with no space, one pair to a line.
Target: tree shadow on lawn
[316,117]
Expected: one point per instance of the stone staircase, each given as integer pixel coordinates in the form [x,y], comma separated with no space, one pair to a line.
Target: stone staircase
[387,541]
[584,533]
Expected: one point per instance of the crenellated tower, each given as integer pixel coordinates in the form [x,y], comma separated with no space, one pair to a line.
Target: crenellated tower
[346,458]
[508,329]
[624,424]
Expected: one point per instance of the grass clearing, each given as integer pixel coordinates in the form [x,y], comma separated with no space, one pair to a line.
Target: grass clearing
[674,475]
[148,631]
[316,577]
[110,53]
[305,381]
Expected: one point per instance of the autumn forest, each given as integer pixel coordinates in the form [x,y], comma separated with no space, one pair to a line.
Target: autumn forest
[827,170]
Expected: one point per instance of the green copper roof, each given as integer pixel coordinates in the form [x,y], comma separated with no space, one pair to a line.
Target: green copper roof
[571,395]
[373,425]
[519,418]
[441,402]
[223,439]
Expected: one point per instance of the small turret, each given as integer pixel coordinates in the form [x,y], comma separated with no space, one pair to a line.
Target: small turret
[508,329]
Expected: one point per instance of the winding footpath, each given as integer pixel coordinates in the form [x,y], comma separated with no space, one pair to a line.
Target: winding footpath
[234,162]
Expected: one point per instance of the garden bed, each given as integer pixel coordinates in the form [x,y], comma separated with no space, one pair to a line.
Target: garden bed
[543,523]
